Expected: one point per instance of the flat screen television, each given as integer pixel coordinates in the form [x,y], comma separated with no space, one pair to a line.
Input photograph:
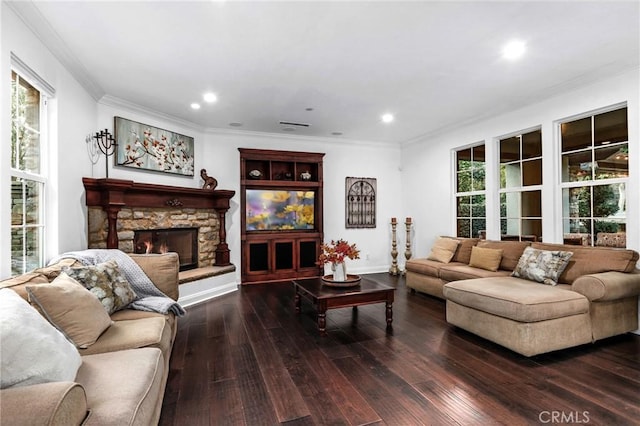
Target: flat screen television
[273,210]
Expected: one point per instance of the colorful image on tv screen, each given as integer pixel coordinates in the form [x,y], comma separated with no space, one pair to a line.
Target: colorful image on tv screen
[279,210]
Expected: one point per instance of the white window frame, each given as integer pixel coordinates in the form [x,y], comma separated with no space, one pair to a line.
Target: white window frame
[589,183]
[520,188]
[46,93]
[472,193]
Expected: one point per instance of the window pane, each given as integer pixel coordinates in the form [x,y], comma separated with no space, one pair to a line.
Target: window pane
[464,182]
[510,204]
[532,144]
[532,228]
[477,225]
[576,202]
[32,201]
[478,206]
[463,159]
[17,256]
[607,200]
[477,183]
[510,175]
[25,125]
[576,134]
[532,172]
[576,166]
[509,150]
[463,207]
[612,162]
[464,228]
[532,204]
[579,226]
[512,227]
[610,127]
[17,201]
[33,248]
[478,155]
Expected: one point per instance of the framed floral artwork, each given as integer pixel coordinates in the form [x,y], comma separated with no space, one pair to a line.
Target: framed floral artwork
[145,147]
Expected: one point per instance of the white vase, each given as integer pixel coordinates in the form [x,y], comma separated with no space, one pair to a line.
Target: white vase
[339,271]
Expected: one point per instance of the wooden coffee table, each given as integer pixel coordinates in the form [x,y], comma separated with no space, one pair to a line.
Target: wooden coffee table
[324,297]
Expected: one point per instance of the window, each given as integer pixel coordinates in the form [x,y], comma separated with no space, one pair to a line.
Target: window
[28,179]
[521,187]
[595,170]
[470,191]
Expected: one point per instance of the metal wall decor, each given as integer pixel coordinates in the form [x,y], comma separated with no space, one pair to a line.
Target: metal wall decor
[360,202]
[146,147]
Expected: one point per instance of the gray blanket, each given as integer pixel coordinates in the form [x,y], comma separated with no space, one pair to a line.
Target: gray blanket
[150,298]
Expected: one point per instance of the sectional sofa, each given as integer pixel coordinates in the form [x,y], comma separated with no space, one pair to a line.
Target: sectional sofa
[117,378]
[594,297]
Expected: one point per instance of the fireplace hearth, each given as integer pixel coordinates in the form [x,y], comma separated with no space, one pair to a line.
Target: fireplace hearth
[183,241]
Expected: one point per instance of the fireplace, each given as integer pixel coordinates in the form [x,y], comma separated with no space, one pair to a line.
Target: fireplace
[183,241]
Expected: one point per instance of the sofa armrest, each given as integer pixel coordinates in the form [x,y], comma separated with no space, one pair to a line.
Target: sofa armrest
[608,285]
[55,403]
[162,269]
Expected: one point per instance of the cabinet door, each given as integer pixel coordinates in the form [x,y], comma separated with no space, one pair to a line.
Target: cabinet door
[257,255]
[307,253]
[283,255]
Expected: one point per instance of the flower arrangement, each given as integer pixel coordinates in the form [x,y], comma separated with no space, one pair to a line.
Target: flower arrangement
[338,251]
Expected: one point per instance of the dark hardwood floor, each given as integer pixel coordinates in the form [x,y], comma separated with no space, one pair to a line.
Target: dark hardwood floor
[247,359]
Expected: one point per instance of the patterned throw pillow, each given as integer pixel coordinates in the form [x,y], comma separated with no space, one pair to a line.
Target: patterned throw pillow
[543,266]
[106,282]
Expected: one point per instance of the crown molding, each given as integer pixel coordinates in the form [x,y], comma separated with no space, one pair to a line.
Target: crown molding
[29,13]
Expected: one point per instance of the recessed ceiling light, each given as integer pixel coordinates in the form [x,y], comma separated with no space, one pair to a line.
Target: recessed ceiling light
[210,97]
[514,49]
[195,106]
[387,118]
[308,109]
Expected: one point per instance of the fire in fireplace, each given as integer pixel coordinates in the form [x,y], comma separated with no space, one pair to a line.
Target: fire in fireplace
[183,241]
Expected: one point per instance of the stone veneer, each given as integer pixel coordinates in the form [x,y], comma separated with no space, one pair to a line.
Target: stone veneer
[132,219]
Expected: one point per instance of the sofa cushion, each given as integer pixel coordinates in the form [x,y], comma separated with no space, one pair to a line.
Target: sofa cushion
[543,266]
[131,334]
[162,270]
[72,309]
[466,272]
[511,251]
[516,299]
[427,267]
[463,252]
[122,387]
[485,258]
[32,350]
[106,282]
[443,249]
[592,260]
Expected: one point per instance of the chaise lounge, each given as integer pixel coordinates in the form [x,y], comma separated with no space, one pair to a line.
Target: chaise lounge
[596,295]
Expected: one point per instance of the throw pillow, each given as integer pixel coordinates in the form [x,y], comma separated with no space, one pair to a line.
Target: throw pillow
[106,282]
[32,350]
[72,309]
[443,250]
[543,266]
[485,258]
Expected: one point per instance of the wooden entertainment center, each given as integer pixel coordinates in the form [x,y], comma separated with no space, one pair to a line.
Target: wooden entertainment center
[281,214]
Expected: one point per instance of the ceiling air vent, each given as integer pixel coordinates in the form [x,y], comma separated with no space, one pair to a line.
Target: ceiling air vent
[290,123]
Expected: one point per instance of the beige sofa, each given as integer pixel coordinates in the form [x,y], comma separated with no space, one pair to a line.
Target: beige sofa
[596,296]
[122,376]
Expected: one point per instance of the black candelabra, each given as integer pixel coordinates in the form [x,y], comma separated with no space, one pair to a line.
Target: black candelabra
[107,145]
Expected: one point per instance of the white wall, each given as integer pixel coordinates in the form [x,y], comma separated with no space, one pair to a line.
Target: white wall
[75,110]
[217,152]
[427,164]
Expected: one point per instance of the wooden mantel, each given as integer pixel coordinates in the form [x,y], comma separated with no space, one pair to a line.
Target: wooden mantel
[114,194]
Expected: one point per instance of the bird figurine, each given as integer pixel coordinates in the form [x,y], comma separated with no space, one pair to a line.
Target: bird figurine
[209,182]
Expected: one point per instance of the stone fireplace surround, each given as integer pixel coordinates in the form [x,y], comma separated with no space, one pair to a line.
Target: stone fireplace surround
[117,208]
